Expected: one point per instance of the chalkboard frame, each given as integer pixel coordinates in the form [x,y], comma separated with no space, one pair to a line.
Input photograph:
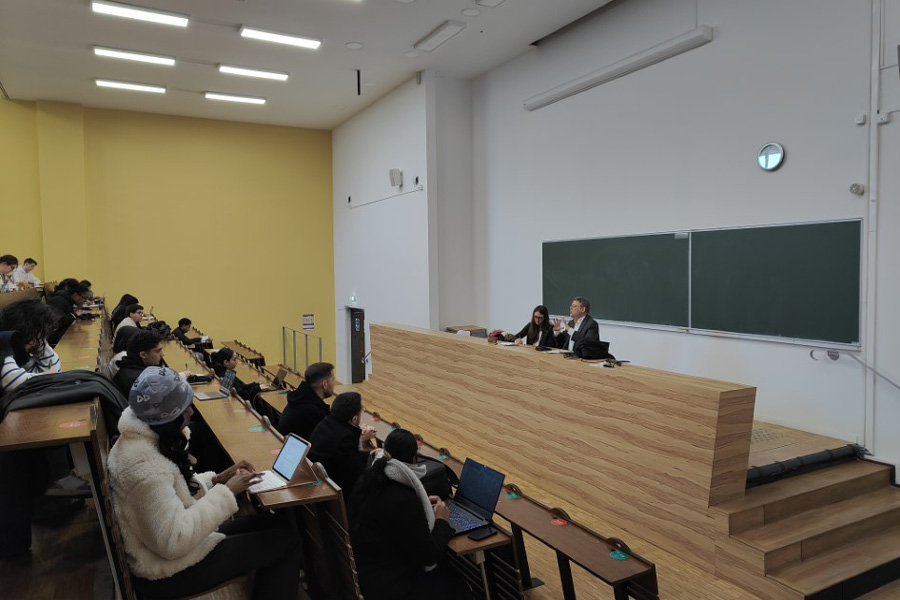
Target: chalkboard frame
[737,335]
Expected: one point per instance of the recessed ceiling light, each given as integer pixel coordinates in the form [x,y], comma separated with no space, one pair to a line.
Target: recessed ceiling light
[353,45]
[141,14]
[370,84]
[441,34]
[489,3]
[405,1]
[471,12]
[134,87]
[155,59]
[276,75]
[411,54]
[231,98]
[281,38]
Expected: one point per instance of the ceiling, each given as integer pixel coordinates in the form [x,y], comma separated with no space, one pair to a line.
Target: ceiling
[46,52]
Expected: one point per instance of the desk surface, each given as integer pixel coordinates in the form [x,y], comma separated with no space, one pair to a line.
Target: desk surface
[243,350]
[46,426]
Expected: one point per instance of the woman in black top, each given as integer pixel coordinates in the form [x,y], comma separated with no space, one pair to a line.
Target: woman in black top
[225,360]
[539,331]
[119,312]
[400,534]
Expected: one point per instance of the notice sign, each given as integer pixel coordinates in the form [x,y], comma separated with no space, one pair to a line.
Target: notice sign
[309,322]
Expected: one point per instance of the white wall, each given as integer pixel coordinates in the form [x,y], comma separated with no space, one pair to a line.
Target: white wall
[673,147]
[380,237]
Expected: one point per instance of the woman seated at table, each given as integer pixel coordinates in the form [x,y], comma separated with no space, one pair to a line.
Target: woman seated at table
[176,524]
[120,311]
[539,331]
[399,533]
[224,362]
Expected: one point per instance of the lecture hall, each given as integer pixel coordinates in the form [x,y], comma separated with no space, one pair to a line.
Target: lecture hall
[449,299]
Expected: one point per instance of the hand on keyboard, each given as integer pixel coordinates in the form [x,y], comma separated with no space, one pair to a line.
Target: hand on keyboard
[268,481]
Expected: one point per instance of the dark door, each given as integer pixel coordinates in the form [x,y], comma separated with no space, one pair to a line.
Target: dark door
[357,345]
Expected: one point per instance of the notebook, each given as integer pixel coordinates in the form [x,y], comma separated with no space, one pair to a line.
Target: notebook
[476,497]
[287,468]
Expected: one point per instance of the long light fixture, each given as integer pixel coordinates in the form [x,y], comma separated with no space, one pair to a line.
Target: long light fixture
[673,47]
[141,14]
[441,34]
[155,59]
[134,87]
[280,38]
[231,98]
[489,3]
[276,75]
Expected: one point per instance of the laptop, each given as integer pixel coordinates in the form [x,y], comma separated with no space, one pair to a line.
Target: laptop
[279,378]
[476,497]
[211,395]
[289,467]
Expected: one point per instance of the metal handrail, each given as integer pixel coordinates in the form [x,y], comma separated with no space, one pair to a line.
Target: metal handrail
[293,337]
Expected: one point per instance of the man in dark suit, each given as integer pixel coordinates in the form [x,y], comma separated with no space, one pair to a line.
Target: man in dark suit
[580,331]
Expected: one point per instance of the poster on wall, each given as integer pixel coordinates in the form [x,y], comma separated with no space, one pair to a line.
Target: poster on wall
[309,322]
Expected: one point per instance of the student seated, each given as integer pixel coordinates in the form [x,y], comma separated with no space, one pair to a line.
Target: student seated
[434,475]
[134,314]
[144,350]
[120,347]
[119,312]
[224,362]
[23,274]
[306,405]
[539,331]
[177,525]
[32,322]
[89,295]
[180,333]
[8,264]
[399,533]
[340,444]
[67,300]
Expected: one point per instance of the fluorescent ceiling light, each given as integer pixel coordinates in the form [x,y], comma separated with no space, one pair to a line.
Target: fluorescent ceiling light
[253,73]
[137,56]
[280,38]
[489,3]
[230,98]
[677,45]
[444,32]
[134,87]
[141,14]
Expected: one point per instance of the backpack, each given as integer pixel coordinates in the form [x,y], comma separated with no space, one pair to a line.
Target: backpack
[160,327]
[594,350]
[438,477]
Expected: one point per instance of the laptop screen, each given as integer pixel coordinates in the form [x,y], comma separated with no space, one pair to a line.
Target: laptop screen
[479,488]
[291,454]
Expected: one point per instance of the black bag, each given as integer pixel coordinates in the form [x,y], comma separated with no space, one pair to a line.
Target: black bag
[594,350]
[438,477]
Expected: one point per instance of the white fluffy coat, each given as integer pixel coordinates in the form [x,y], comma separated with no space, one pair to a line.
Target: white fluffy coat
[165,529]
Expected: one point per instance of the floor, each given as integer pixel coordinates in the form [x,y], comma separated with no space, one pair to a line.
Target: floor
[68,560]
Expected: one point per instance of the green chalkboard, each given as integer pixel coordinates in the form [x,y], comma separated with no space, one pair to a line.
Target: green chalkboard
[793,281]
[641,279]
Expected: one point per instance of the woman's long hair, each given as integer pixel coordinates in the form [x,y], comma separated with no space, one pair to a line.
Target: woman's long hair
[218,360]
[535,331]
[400,444]
[174,446]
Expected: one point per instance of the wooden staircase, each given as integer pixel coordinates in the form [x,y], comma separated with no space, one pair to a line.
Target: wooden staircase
[832,534]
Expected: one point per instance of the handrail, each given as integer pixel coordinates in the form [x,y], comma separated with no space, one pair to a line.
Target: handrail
[835,355]
[293,336]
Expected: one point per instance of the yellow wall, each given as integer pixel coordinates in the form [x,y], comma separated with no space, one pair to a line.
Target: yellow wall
[20,184]
[229,224]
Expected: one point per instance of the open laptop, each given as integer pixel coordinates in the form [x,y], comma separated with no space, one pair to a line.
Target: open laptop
[476,497]
[278,382]
[220,393]
[288,468]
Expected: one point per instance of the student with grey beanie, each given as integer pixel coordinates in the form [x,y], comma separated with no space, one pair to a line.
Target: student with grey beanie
[177,526]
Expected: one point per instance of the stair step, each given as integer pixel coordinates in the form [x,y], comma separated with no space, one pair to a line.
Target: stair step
[842,564]
[862,514]
[781,499]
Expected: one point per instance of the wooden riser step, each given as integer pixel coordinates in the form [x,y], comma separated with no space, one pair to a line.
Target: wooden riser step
[783,499]
[819,530]
[846,572]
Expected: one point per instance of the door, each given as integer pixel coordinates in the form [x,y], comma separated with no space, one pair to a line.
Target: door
[357,345]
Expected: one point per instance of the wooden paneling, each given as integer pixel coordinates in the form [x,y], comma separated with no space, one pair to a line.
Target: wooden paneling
[647,449]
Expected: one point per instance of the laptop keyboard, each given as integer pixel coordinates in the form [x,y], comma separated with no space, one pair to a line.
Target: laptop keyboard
[460,520]
[270,481]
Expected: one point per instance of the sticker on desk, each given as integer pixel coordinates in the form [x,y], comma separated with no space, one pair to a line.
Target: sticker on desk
[258,428]
[275,451]
[512,496]
[73,424]
[443,456]
[418,442]
[309,322]
[618,555]
[558,522]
